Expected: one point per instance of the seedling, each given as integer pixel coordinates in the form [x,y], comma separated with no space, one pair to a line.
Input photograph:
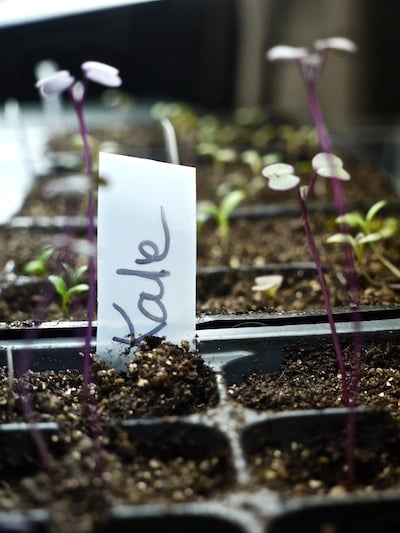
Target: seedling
[220,214]
[371,231]
[220,156]
[311,65]
[53,85]
[268,285]
[39,265]
[281,177]
[70,286]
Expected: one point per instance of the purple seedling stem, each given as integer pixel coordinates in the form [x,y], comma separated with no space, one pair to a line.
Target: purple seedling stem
[311,66]
[53,85]
[281,177]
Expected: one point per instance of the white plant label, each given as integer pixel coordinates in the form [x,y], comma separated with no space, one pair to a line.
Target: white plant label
[146,272]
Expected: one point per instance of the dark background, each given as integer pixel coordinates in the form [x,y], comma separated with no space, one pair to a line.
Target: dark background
[187,49]
[179,49]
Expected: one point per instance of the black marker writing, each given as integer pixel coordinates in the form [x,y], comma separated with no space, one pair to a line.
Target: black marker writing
[156,256]
[150,254]
[147,296]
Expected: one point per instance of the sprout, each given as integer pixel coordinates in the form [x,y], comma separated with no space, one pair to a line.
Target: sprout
[314,59]
[69,287]
[369,231]
[220,213]
[269,284]
[280,176]
[39,265]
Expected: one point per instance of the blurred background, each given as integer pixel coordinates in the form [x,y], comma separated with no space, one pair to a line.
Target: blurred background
[211,53]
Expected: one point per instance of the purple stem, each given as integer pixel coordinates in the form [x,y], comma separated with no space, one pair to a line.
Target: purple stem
[91,409]
[327,301]
[310,78]
[78,105]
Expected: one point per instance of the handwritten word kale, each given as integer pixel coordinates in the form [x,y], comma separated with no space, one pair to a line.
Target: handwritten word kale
[370,231]
[220,214]
[69,286]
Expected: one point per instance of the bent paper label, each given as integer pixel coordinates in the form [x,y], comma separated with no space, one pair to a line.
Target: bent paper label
[146,254]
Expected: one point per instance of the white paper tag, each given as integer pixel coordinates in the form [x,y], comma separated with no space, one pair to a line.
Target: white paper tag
[146,272]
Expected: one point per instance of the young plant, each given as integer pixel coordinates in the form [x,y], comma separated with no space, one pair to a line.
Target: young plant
[370,231]
[268,285]
[220,214]
[69,286]
[281,177]
[311,65]
[220,156]
[49,86]
[39,265]
[53,85]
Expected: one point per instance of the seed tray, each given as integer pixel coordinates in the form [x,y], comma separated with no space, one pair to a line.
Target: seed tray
[230,431]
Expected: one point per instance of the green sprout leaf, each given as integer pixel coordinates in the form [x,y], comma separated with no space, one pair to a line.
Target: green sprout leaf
[371,230]
[69,287]
[220,214]
[39,265]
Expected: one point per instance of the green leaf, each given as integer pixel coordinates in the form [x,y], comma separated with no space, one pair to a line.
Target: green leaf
[371,237]
[230,201]
[80,271]
[38,266]
[353,220]
[70,273]
[81,287]
[34,267]
[59,284]
[342,238]
[205,210]
[389,228]
[373,210]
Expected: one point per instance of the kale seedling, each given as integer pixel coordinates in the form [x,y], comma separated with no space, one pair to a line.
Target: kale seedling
[70,286]
[311,65]
[370,231]
[281,177]
[49,87]
[220,213]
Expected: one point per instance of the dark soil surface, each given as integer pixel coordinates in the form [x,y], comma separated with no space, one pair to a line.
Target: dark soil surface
[308,378]
[163,380]
[94,462]
[314,464]
[306,459]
